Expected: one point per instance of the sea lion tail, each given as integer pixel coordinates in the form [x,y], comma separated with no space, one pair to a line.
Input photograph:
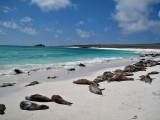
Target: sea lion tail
[102,89]
[67,103]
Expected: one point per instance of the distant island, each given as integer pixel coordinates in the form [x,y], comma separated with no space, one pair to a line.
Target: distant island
[39,45]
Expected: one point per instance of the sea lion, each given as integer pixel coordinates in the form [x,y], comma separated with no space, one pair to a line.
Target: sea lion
[119,77]
[27,105]
[58,99]
[130,68]
[38,98]
[2,109]
[94,89]
[146,78]
[124,73]
[84,82]
[103,77]
[153,72]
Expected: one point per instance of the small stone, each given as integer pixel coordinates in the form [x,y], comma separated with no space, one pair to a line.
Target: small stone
[32,83]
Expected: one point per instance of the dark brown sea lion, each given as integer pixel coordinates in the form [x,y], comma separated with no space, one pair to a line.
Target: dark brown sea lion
[2,109]
[124,73]
[27,105]
[38,98]
[58,99]
[94,89]
[119,77]
[130,68]
[84,82]
[153,72]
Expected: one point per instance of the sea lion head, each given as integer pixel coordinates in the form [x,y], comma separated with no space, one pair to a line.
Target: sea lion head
[74,82]
[42,107]
[27,98]
[2,109]
[56,97]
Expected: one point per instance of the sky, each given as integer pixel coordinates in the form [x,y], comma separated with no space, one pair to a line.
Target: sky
[79,22]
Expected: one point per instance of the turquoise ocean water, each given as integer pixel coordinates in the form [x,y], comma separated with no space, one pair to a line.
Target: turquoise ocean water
[35,58]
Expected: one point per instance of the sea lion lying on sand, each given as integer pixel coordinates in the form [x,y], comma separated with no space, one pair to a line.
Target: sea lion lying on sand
[132,68]
[129,68]
[123,73]
[2,109]
[146,78]
[94,89]
[153,72]
[103,77]
[84,82]
[58,99]
[118,77]
[27,105]
[38,98]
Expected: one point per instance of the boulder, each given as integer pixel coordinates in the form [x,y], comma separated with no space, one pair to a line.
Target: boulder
[32,83]
[39,45]
[7,84]
[82,65]
[71,69]
[17,71]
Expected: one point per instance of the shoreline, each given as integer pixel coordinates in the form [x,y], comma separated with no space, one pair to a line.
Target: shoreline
[125,99]
[128,49]
[133,49]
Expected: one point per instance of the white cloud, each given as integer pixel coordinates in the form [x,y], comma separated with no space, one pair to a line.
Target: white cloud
[83,34]
[133,15]
[49,29]
[29,30]
[105,29]
[59,31]
[9,24]
[26,19]
[56,36]
[159,14]
[79,23]
[13,25]
[2,33]
[7,9]
[50,5]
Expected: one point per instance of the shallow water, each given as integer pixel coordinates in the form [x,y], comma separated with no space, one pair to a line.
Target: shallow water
[34,58]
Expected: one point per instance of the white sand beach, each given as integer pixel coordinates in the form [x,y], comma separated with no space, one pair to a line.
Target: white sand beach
[126,100]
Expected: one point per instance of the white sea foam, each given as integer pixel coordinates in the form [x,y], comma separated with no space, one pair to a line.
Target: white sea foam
[9,69]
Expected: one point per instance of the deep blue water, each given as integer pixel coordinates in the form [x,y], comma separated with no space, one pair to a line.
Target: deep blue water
[25,57]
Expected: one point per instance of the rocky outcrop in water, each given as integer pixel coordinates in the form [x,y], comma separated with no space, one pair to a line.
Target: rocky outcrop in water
[39,45]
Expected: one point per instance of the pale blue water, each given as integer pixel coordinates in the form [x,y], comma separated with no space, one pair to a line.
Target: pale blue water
[31,58]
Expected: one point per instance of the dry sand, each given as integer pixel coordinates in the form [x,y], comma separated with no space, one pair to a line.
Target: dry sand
[120,100]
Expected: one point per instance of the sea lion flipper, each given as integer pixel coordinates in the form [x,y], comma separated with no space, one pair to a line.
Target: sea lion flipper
[58,99]
[67,103]
[102,89]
